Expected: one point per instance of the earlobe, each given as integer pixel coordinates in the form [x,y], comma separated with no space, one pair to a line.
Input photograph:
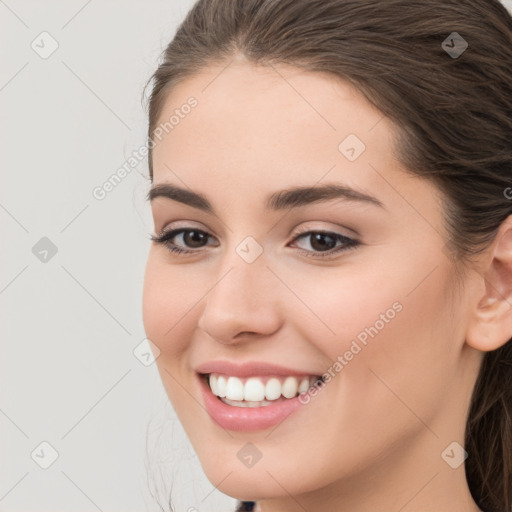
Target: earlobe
[490,325]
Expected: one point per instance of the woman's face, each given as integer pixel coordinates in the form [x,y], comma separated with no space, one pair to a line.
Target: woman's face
[370,303]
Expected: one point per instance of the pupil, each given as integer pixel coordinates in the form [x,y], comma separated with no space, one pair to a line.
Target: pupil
[194,238]
[318,242]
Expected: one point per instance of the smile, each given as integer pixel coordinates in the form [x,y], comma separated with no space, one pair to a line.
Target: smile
[257,391]
[252,403]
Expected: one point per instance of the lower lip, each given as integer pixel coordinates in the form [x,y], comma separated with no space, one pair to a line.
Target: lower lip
[231,417]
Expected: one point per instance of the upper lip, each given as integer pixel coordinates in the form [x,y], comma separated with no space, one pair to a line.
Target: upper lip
[248,369]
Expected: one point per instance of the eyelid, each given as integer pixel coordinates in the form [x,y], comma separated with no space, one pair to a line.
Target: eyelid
[348,243]
[296,232]
[181,224]
[166,234]
[339,231]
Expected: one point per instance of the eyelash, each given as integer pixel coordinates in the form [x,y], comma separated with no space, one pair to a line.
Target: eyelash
[350,243]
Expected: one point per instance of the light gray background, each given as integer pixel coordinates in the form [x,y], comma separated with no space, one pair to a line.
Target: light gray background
[70,324]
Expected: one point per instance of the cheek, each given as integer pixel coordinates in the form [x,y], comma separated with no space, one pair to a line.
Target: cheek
[384,336]
[170,294]
[339,305]
[401,311]
[394,340]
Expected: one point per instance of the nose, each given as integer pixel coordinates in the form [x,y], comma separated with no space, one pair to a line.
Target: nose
[242,303]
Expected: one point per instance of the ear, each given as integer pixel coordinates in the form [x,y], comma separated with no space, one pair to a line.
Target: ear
[490,325]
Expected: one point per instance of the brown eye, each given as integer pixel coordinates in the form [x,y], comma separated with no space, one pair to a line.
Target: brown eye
[191,240]
[194,238]
[324,243]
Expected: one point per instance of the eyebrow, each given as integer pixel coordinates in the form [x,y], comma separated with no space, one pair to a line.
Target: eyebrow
[283,199]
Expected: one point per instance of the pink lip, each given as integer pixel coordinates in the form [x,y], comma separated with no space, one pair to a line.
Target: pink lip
[235,418]
[249,369]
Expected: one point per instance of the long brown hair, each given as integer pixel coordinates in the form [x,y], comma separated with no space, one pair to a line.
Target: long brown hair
[452,111]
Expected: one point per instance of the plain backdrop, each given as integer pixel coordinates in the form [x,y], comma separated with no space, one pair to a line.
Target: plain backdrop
[72,266]
[85,423]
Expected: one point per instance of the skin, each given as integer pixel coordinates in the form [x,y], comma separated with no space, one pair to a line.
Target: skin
[372,439]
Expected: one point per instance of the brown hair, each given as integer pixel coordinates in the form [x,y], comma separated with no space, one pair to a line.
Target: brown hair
[452,113]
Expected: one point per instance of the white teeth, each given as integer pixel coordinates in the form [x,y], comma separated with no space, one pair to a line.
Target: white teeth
[304,385]
[254,391]
[221,386]
[272,389]
[243,403]
[290,386]
[234,389]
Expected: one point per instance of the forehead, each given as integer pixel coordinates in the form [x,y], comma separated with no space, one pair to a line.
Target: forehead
[268,127]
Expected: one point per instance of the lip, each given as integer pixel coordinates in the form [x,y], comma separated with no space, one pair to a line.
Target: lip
[230,417]
[249,369]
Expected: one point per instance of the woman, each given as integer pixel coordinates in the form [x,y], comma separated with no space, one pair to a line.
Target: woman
[330,283]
